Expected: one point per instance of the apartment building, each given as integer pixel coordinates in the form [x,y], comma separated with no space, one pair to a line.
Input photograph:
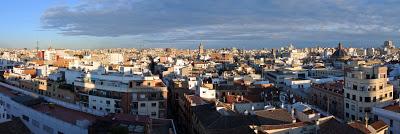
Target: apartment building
[54,89]
[366,87]
[329,97]
[42,117]
[120,93]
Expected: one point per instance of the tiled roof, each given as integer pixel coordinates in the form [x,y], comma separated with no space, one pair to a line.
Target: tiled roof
[332,126]
[393,108]
[273,117]
[282,126]
[360,126]
[64,114]
[215,123]
[379,125]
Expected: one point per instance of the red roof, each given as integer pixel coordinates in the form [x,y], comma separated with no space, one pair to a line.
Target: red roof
[379,125]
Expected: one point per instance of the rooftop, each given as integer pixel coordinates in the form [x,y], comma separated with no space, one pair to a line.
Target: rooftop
[195,100]
[379,125]
[8,92]
[274,117]
[335,87]
[62,113]
[215,123]
[332,126]
[15,126]
[360,126]
[393,108]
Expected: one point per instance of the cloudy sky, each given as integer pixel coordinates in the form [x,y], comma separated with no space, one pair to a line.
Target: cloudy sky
[185,23]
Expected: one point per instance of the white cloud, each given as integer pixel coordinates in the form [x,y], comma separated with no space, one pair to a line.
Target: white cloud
[182,20]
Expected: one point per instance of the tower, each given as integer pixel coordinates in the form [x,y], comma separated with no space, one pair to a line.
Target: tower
[201,49]
[37,46]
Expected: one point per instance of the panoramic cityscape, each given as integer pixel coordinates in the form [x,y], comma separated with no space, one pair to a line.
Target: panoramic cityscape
[199,67]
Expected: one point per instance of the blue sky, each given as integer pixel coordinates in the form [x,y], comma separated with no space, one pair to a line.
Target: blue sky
[185,23]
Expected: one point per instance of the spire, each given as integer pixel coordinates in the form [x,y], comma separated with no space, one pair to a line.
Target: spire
[37,46]
[340,46]
[51,43]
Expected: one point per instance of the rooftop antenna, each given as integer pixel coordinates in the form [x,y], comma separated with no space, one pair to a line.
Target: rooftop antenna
[51,42]
[37,46]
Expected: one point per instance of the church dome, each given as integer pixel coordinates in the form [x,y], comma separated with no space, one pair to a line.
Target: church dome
[340,53]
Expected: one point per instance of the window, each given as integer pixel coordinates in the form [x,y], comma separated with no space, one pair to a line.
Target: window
[153,114]
[353,117]
[367,99]
[390,94]
[153,104]
[153,95]
[360,99]
[360,109]
[142,104]
[60,132]
[107,109]
[354,97]
[26,118]
[347,115]
[348,96]
[367,110]
[381,87]
[374,99]
[94,107]
[391,123]
[354,87]
[107,102]
[347,105]
[142,96]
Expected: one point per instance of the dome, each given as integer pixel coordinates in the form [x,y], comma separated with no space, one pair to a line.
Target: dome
[340,53]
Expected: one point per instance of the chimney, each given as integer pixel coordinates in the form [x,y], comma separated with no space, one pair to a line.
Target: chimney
[292,113]
[317,125]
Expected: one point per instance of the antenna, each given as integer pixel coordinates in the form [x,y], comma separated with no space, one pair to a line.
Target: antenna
[51,43]
[37,46]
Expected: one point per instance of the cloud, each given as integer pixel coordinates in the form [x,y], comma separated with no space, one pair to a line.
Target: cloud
[221,20]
